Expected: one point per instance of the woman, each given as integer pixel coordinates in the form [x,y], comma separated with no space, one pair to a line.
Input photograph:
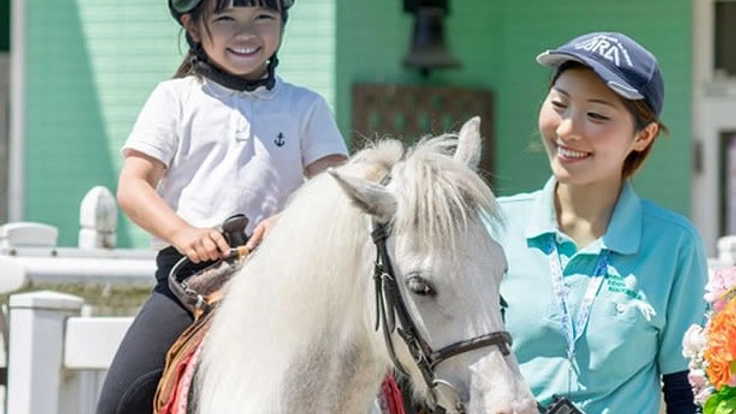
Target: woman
[601,284]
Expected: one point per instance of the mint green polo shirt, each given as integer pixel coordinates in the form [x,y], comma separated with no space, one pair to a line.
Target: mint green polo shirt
[651,293]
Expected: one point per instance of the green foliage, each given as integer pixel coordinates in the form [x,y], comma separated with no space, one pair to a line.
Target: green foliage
[722,402]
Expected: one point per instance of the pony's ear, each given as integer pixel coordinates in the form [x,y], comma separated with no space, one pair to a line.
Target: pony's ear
[372,198]
[469,143]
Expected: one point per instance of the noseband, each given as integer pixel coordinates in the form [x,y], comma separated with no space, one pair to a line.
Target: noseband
[390,306]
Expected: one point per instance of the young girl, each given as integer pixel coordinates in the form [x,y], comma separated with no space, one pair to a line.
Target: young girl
[226,136]
[601,284]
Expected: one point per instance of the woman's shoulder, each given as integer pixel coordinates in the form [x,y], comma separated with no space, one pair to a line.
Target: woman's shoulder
[517,209]
[515,200]
[662,218]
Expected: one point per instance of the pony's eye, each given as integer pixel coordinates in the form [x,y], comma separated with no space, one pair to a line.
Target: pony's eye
[420,286]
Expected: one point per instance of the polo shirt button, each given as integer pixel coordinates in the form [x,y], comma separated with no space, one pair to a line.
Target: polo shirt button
[620,308]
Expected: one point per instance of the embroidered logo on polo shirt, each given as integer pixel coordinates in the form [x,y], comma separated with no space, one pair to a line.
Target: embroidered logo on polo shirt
[280,141]
[618,284]
[608,48]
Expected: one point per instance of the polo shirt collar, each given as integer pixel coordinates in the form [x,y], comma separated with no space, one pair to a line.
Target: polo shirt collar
[543,219]
[624,231]
[220,91]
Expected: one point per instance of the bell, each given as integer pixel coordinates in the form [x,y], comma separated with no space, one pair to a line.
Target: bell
[428,50]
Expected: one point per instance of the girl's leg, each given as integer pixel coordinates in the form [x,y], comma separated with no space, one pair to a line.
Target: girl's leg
[131,381]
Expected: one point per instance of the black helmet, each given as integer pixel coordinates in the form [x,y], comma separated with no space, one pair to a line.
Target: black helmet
[179,7]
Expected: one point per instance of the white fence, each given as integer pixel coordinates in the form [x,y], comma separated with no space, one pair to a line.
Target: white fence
[57,358]
[57,355]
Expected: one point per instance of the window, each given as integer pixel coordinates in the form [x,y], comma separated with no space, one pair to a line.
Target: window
[725,39]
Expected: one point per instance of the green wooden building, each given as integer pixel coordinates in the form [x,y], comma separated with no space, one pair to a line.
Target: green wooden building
[79,71]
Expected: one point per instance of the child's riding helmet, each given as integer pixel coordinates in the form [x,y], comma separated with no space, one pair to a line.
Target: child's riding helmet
[179,7]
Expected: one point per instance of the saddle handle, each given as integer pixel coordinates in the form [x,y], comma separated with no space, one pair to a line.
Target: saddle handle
[233,229]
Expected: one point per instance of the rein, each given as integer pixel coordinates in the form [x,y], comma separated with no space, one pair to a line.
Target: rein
[390,306]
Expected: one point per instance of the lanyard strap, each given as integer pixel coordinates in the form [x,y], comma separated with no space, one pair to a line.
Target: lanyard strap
[574,332]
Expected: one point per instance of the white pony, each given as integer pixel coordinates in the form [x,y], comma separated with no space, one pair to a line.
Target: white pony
[295,332]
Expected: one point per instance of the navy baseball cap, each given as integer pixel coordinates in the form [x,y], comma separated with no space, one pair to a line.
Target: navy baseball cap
[624,65]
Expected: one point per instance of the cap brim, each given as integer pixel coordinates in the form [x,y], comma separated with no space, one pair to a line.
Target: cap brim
[554,59]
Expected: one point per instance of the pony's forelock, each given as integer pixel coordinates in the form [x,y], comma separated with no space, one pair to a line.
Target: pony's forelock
[441,197]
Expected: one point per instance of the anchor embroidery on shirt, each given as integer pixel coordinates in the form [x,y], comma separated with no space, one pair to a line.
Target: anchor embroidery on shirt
[280,141]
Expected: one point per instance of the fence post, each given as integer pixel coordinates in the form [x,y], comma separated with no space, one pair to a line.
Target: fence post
[98,219]
[35,354]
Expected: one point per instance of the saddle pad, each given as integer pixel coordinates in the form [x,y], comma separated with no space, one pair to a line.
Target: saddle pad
[181,362]
[389,397]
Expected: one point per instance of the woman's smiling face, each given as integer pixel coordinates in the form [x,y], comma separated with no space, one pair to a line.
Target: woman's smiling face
[586,130]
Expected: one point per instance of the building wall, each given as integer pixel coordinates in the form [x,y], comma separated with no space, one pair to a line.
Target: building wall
[497,42]
[90,65]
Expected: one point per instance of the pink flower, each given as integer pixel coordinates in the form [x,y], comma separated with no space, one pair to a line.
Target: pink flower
[697,378]
[702,396]
[720,287]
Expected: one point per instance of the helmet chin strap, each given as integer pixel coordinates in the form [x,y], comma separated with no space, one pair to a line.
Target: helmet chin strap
[202,66]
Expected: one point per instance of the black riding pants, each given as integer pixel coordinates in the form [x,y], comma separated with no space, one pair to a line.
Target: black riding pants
[131,381]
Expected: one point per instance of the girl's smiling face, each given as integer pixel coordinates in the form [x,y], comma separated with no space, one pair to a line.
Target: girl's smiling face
[239,40]
[586,130]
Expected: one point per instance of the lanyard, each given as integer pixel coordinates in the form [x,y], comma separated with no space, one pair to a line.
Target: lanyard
[573,332]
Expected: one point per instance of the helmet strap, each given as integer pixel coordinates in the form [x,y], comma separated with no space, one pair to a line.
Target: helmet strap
[201,65]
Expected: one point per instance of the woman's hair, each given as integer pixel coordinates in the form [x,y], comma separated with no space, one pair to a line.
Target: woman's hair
[204,10]
[641,114]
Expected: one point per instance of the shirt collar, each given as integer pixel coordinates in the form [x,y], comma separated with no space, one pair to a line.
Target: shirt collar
[220,91]
[543,220]
[624,231]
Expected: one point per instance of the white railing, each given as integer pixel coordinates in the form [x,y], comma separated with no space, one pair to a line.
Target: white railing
[29,254]
[57,358]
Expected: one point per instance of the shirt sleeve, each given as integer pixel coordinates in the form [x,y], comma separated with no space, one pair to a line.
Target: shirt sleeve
[686,305]
[320,136]
[155,131]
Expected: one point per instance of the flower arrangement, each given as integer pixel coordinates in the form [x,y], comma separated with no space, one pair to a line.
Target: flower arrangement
[712,348]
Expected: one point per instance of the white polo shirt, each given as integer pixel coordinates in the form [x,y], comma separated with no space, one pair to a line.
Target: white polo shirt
[651,292]
[229,152]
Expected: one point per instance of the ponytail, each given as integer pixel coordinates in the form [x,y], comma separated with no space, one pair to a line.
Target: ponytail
[186,67]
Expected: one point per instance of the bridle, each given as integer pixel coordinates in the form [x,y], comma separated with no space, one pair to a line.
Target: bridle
[390,306]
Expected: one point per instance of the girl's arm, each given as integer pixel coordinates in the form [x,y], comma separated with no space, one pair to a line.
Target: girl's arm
[139,200]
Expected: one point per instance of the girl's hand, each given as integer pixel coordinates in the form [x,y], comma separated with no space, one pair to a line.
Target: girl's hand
[261,231]
[201,244]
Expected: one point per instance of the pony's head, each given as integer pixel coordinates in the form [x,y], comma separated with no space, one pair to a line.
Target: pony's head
[438,270]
